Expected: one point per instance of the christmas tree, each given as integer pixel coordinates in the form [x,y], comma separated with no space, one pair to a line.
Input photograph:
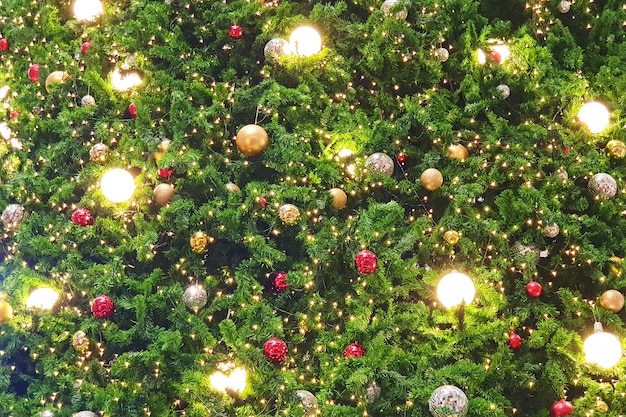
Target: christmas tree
[284,208]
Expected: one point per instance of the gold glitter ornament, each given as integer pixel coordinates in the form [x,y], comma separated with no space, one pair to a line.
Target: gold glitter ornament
[612,300]
[162,148]
[289,214]
[251,140]
[451,237]
[6,311]
[56,77]
[615,265]
[99,152]
[199,241]
[232,187]
[551,230]
[601,406]
[616,148]
[431,179]
[340,199]
[458,151]
[163,193]
[80,341]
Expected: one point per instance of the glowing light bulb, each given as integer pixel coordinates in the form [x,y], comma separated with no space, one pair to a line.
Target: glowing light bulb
[595,115]
[87,10]
[42,298]
[602,348]
[126,80]
[454,289]
[229,378]
[305,41]
[117,185]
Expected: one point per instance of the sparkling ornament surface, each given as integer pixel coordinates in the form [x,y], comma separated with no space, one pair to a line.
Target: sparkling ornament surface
[534,289]
[165,173]
[235,32]
[308,402]
[616,148]
[163,194]
[451,237]
[353,350]
[275,49]
[602,185]
[365,262]
[457,151]
[13,215]
[448,401]
[289,214]
[82,217]
[4,44]
[551,230]
[6,311]
[251,140]
[561,408]
[80,341]
[340,199]
[56,77]
[46,413]
[33,72]
[195,297]
[232,187]
[564,6]
[394,8]
[88,101]
[199,241]
[372,392]
[279,282]
[275,350]
[103,307]
[99,152]
[380,162]
[431,179]
[601,406]
[85,414]
[503,90]
[515,341]
[612,300]
[85,47]
[442,54]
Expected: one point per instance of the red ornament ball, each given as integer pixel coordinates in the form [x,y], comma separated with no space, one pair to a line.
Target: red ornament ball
[401,158]
[275,350]
[365,262]
[4,44]
[495,56]
[103,307]
[515,341]
[263,201]
[132,109]
[533,289]
[165,173]
[15,114]
[561,408]
[279,282]
[82,217]
[235,32]
[33,72]
[85,47]
[353,350]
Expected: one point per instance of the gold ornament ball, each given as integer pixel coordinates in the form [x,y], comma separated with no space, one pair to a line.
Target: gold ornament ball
[340,199]
[251,140]
[56,77]
[601,406]
[199,241]
[616,148]
[458,151]
[80,341]
[612,300]
[6,311]
[163,193]
[616,265]
[232,187]
[99,152]
[289,214]
[551,230]
[451,237]
[162,148]
[431,179]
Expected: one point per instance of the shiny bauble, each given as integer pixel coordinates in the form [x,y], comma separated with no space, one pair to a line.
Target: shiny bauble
[195,297]
[451,237]
[394,8]
[103,307]
[13,215]
[534,289]
[504,91]
[457,151]
[365,262]
[616,149]
[99,152]
[82,217]
[340,199]
[46,413]
[562,174]
[85,414]
[4,45]
[289,214]
[279,282]
[163,194]
[602,185]
[601,406]
[56,77]
[431,179]
[85,47]
[380,162]
[561,408]
[308,402]
[353,350]
[232,187]
[448,401]
[564,6]
[132,109]
[33,72]
[615,265]
[275,350]
[87,101]
[515,341]
[551,230]
[251,140]
[80,341]
[6,311]
[199,241]
[275,49]
[372,392]
[442,54]
[162,148]
[235,32]
[612,300]
[165,173]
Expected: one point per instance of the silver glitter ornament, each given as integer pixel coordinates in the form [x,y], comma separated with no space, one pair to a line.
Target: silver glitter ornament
[442,54]
[551,230]
[85,414]
[275,49]
[308,402]
[372,392]
[448,401]
[88,101]
[398,12]
[504,90]
[602,185]
[46,413]
[564,6]
[195,297]
[381,163]
[99,152]
[13,215]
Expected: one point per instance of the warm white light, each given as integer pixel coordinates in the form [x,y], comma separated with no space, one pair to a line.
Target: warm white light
[42,298]
[125,81]
[602,348]
[87,10]
[454,289]
[595,115]
[481,57]
[305,41]
[502,50]
[229,378]
[117,185]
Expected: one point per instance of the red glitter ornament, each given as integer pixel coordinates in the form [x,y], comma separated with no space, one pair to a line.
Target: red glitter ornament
[82,217]
[279,282]
[103,307]
[4,44]
[365,262]
[33,72]
[263,201]
[85,47]
[515,341]
[275,350]
[561,408]
[165,173]
[533,289]
[353,350]
[132,109]
[401,158]
[235,32]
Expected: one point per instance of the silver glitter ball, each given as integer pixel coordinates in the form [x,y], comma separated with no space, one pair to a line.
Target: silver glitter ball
[275,49]
[85,414]
[99,152]
[13,215]
[195,297]
[88,101]
[504,90]
[562,173]
[372,392]
[602,185]
[381,163]
[389,9]
[442,54]
[46,413]
[308,402]
[551,230]
[448,401]
[564,6]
